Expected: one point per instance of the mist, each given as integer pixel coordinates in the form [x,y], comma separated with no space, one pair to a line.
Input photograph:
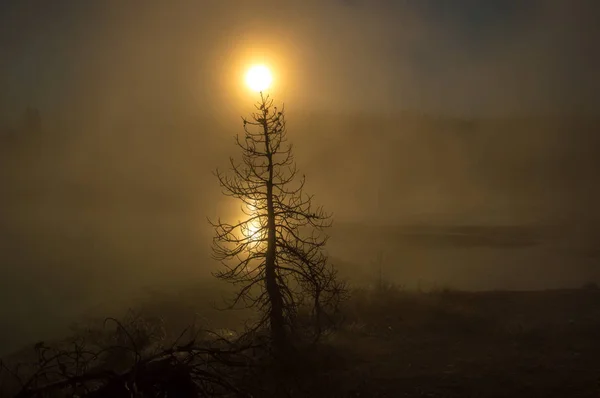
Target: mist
[410,120]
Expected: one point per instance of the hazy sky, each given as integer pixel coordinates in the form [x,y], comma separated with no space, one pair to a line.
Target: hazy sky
[462,56]
[126,190]
[147,95]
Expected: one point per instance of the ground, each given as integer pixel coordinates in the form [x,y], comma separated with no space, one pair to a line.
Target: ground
[445,343]
[459,344]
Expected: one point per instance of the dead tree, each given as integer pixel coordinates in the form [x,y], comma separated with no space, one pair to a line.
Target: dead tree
[205,366]
[276,253]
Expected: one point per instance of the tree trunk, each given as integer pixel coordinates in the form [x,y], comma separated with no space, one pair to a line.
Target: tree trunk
[276,319]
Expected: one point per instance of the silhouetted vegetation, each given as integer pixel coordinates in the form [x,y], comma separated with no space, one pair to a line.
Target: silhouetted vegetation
[276,254]
[134,358]
[392,342]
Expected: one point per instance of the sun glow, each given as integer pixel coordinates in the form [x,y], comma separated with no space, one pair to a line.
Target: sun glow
[253,229]
[259,78]
[253,225]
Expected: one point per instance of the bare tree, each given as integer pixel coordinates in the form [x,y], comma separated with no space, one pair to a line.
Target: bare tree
[276,254]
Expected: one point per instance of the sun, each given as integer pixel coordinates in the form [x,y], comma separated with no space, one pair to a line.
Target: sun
[259,78]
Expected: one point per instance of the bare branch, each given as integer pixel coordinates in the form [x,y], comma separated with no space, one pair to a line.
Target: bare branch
[273,255]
